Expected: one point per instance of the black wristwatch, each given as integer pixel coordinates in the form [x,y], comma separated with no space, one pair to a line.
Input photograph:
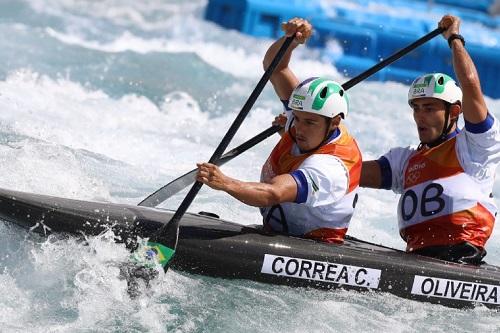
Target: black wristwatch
[456,36]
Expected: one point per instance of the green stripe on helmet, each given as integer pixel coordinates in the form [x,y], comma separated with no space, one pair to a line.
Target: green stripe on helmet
[315,84]
[319,101]
[439,88]
[321,96]
[435,85]
[425,84]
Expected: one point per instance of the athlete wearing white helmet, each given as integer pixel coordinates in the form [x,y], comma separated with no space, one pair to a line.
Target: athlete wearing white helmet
[309,182]
[446,209]
[320,96]
[435,85]
[442,87]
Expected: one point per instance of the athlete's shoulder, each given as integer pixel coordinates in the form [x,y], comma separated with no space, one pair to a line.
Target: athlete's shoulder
[325,164]
[487,126]
[320,160]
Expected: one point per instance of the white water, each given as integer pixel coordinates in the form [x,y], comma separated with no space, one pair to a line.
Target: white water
[109,101]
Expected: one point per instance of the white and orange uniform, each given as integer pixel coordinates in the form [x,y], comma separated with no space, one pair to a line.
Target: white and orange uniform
[327,182]
[446,190]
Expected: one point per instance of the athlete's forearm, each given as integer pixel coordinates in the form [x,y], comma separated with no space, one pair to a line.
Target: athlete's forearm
[273,50]
[280,189]
[464,66]
[253,193]
[283,79]
[473,104]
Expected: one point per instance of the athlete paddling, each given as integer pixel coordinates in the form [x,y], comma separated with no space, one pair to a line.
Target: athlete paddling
[309,182]
[446,209]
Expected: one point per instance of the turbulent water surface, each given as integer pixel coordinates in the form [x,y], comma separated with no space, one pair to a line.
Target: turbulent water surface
[108,100]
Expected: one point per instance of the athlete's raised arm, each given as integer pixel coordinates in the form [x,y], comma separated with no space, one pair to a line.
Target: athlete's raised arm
[473,104]
[283,78]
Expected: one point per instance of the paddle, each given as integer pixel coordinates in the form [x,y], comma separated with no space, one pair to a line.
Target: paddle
[187,179]
[164,242]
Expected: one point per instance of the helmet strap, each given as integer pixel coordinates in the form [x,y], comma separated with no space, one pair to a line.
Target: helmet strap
[447,126]
[328,134]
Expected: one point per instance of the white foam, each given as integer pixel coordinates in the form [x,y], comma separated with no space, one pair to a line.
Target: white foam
[234,59]
[14,304]
[62,138]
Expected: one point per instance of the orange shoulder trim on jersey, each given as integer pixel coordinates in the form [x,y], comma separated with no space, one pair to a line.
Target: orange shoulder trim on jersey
[345,147]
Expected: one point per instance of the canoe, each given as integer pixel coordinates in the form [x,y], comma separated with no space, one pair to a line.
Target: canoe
[214,247]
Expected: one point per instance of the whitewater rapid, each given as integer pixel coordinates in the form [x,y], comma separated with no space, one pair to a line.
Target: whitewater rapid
[110,100]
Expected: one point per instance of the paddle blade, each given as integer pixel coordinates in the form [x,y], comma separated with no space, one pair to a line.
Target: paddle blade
[154,252]
[170,189]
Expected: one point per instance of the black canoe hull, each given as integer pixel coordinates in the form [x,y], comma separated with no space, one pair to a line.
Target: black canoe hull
[218,248]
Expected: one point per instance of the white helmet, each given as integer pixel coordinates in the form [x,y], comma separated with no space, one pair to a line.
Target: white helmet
[321,96]
[436,85]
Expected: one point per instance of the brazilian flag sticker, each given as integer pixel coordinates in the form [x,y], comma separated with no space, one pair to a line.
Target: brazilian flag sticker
[159,252]
[152,254]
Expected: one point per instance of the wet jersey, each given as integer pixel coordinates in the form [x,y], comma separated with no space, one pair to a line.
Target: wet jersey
[327,182]
[446,191]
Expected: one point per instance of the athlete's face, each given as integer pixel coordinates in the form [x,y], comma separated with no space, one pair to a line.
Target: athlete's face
[310,129]
[429,115]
